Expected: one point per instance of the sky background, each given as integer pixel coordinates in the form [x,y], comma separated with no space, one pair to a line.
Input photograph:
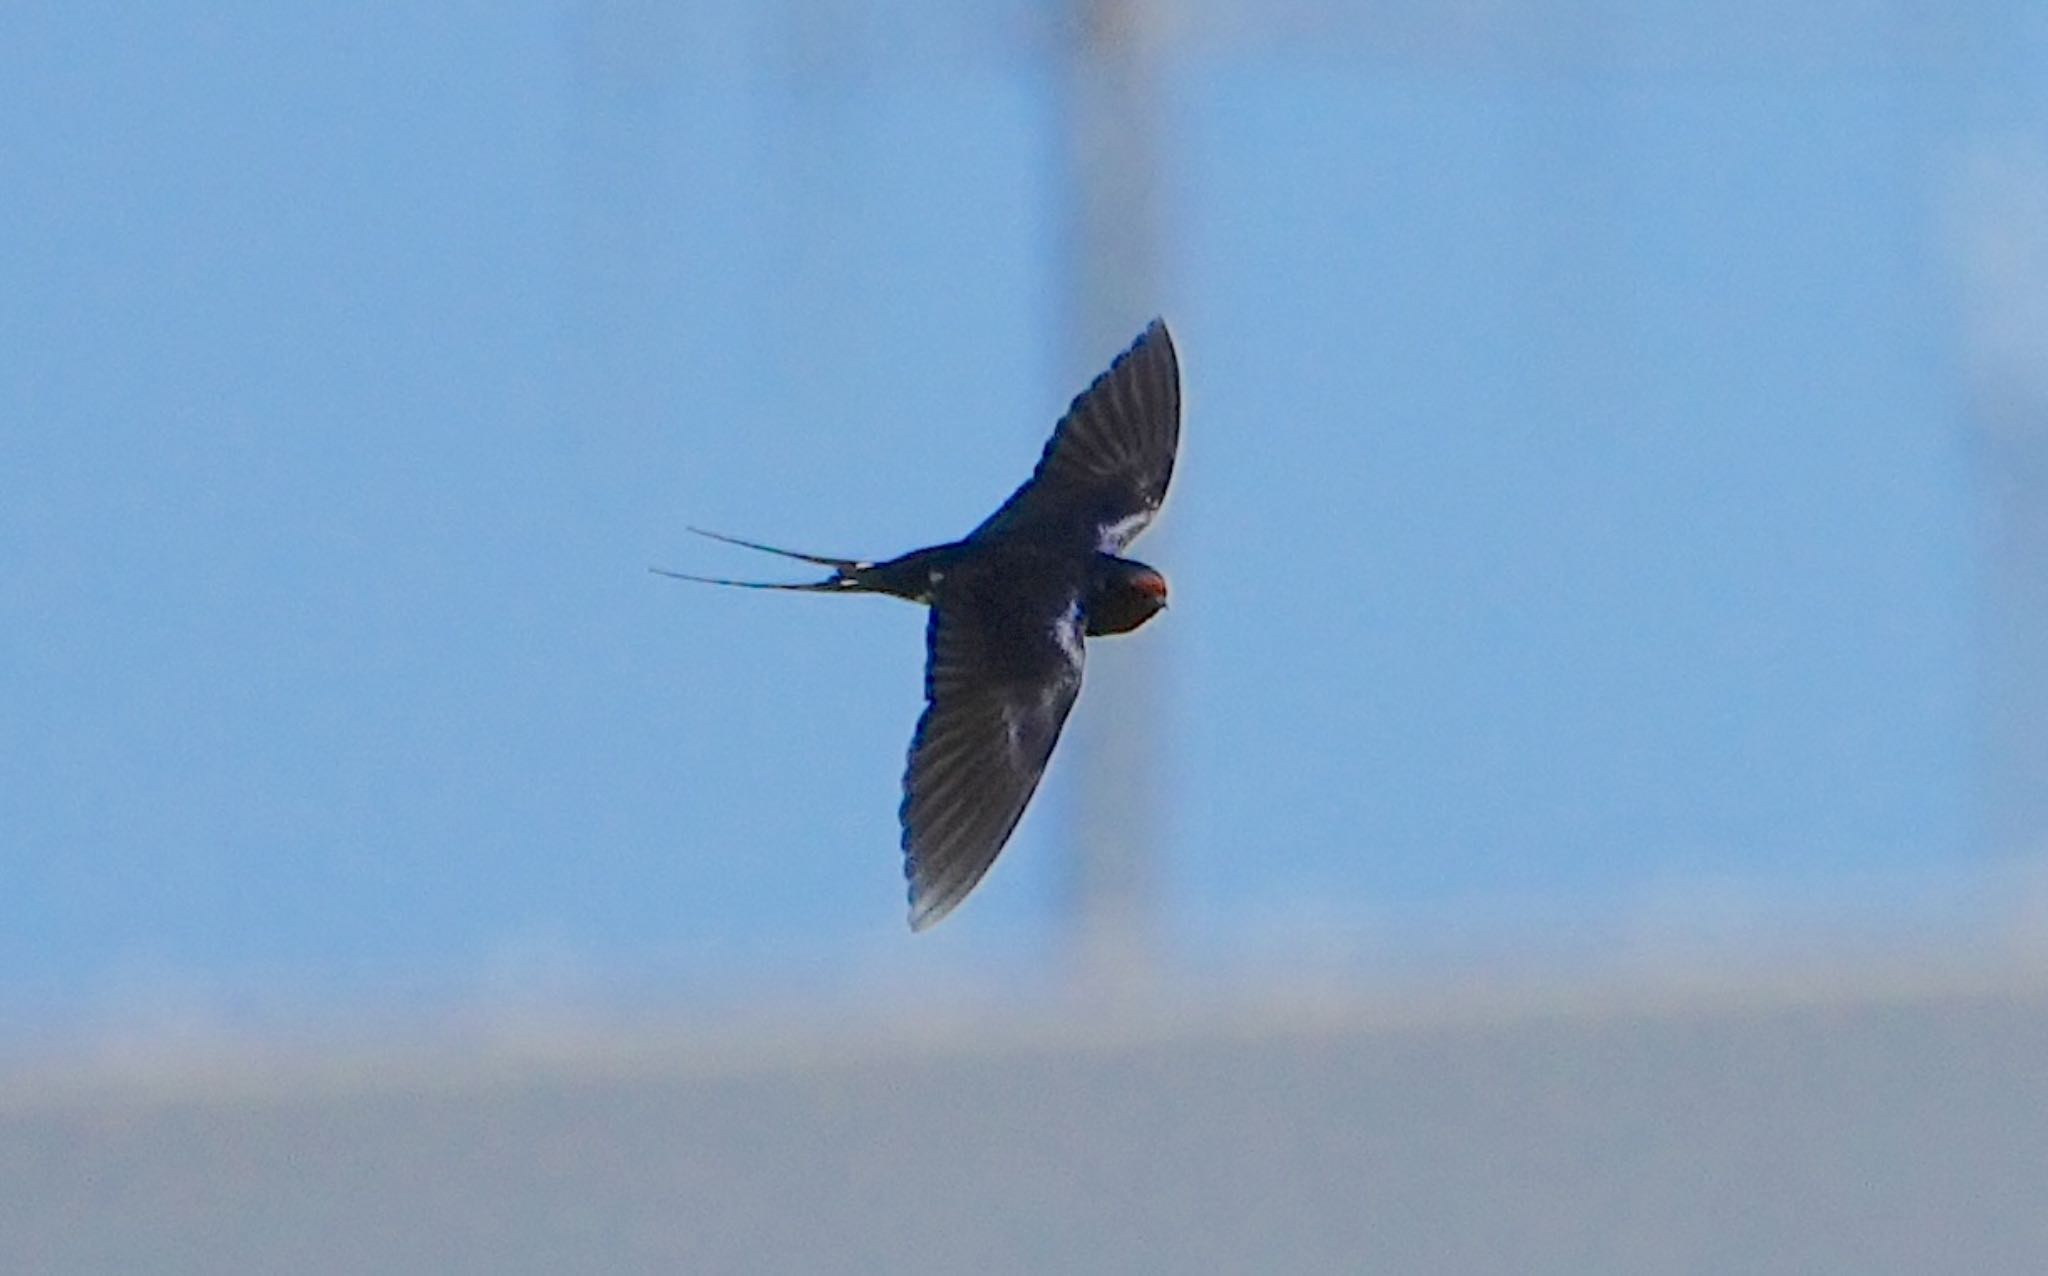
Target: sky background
[1580,535]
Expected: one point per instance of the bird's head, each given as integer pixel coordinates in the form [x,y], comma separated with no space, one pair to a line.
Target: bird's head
[1122,595]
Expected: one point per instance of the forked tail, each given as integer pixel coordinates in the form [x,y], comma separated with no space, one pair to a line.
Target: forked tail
[847,573]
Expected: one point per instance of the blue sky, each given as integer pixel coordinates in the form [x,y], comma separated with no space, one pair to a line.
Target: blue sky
[1577,502]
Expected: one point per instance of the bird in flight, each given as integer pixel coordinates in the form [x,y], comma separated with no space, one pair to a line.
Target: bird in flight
[1010,604]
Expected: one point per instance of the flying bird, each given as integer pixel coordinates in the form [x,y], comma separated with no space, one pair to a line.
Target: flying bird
[1010,605]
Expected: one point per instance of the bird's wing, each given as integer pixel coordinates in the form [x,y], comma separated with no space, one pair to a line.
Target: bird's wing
[1104,474]
[1001,673]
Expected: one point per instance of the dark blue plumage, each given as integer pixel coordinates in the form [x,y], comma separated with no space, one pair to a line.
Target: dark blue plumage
[1011,602]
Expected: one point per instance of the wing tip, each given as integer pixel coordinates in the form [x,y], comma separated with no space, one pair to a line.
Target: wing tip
[1155,332]
[928,909]
[1154,351]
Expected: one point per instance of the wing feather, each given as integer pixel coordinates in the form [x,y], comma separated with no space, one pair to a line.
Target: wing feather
[999,683]
[1104,474]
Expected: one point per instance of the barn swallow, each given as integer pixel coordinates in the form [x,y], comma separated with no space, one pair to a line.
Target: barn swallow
[1010,604]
